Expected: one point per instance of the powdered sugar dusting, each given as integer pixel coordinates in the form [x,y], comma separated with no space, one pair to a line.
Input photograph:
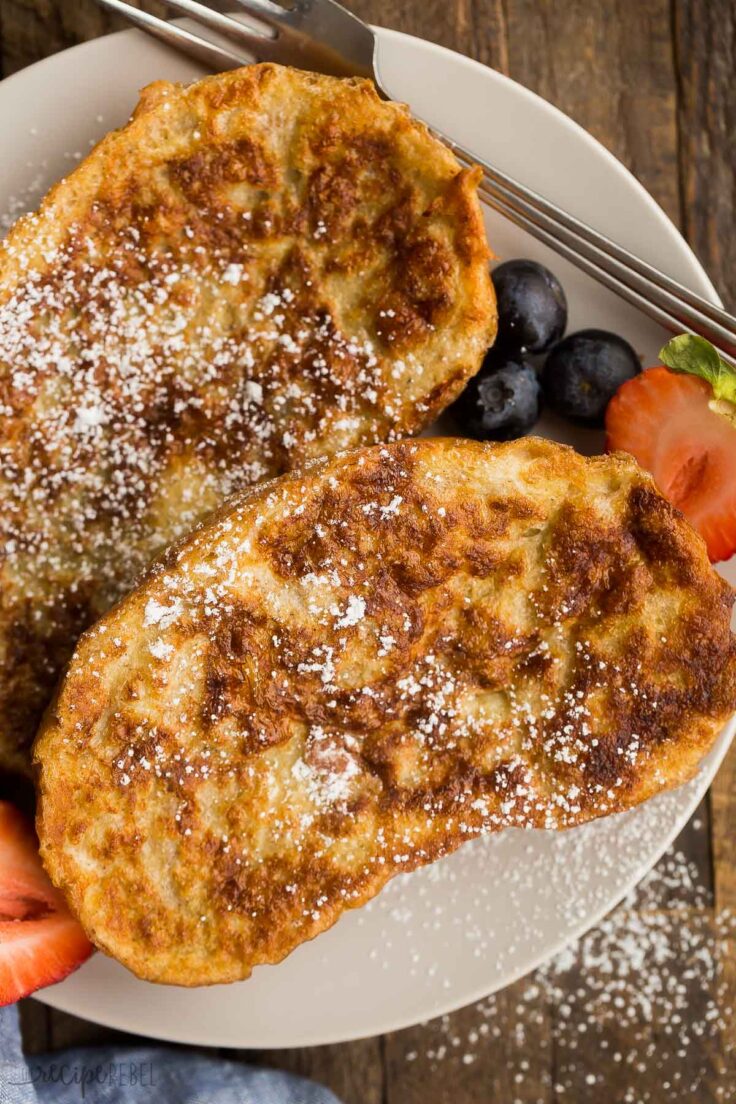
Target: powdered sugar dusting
[641,1000]
[162,615]
[353,614]
[152,383]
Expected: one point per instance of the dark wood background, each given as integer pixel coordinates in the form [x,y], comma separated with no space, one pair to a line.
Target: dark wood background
[655,81]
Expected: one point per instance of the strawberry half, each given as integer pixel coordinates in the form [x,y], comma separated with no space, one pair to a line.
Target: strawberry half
[666,422]
[40,942]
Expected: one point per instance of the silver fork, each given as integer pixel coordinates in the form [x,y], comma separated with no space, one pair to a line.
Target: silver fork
[323,36]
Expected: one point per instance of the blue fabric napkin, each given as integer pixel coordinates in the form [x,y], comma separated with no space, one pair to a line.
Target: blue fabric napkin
[139,1075]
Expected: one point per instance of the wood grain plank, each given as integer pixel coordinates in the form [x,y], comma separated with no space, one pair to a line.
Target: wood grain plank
[723,811]
[33,29]
[664,1043]
[72,1031]
[449,24]
[494,1051]
[354,1071]
[608,64]
[705,56]
[35,1026]
[723,1047]
[473,27]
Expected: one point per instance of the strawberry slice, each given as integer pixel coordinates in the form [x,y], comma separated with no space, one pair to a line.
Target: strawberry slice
[666,422]
[40,942]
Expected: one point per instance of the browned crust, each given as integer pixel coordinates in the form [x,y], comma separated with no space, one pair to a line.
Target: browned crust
[354,669]
[260,268]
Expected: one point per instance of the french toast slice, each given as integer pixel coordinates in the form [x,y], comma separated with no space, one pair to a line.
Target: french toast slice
[260,268]
[353,669]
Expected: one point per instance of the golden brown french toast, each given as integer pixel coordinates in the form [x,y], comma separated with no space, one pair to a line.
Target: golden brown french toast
[261,268]
[352,670]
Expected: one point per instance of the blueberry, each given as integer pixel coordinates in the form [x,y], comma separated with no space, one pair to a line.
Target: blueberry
[502,401]
[585,371]
[532,308]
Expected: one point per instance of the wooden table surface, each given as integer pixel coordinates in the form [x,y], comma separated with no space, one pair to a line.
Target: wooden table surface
[654,80]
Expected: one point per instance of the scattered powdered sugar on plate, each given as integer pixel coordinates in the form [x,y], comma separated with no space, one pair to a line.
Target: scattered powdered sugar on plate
[28,197]
[646,990]
[642,999]
[25,201]
[570,873]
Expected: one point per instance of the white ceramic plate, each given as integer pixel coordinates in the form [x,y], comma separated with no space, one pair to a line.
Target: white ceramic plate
[449,934]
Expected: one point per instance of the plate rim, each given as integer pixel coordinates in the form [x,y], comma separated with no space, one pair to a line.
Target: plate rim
[54,996]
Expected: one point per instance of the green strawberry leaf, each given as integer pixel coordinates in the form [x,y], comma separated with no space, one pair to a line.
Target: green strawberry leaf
[697,357]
